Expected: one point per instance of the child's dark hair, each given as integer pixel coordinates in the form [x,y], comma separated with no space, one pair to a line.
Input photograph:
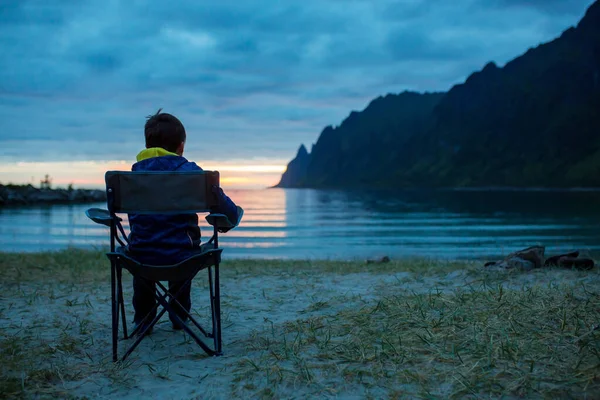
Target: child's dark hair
[164,130]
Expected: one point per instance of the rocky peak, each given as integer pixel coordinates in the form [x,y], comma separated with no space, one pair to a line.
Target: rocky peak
[302,152]
[296,169]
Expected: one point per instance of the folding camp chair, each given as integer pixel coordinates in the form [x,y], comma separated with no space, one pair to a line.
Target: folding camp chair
[163,193]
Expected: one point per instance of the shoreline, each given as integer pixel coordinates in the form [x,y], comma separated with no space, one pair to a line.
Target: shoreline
[446,189]
[372,261]
[28,195]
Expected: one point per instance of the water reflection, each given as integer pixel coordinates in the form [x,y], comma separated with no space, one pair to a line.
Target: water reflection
[354,224]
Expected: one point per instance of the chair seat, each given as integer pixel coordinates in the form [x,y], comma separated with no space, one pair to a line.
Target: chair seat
[175,272]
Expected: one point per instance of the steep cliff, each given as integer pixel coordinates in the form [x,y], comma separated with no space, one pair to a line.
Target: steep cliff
[533,122]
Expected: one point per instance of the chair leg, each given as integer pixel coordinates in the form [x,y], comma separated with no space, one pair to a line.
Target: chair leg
[142,335]
[165,299]
[215,308]
[212,306]
[114,310]
[174,299]
[217,311]
[121,301]
[186,328]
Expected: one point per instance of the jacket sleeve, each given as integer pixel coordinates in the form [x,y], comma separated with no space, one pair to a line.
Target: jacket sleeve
[226,205]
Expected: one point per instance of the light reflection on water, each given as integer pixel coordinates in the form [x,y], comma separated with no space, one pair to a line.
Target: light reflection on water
[343,225]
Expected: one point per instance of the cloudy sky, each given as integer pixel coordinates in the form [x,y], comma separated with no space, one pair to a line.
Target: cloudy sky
[250,80]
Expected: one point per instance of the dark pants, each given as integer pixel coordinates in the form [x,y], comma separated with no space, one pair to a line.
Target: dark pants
[144,300]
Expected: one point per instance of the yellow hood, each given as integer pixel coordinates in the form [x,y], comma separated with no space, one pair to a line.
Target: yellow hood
[153,152]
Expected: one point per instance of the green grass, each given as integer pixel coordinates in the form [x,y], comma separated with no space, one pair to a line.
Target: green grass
[477,342]
[36,366]
[64,266]
[492,335]
[85,266]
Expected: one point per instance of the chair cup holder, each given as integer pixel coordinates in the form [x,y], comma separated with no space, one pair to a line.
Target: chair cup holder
[99,216]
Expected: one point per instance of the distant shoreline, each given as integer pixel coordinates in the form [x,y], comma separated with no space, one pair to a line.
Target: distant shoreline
[28,195]
[453,189]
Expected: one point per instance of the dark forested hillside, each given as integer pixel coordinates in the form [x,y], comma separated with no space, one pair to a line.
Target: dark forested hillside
[362,149]
[533,122]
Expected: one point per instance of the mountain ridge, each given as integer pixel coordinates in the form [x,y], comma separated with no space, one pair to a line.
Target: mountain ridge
[533,122]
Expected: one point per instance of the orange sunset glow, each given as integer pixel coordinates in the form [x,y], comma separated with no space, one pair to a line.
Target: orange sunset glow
[90,174]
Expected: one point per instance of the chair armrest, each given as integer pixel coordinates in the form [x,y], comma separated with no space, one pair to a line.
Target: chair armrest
[100,216]
[222,223]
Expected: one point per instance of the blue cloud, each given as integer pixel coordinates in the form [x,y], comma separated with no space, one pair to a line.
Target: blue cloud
[247,78]
[571,7]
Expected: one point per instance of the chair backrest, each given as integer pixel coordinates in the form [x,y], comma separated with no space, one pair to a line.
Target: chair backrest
[161,192]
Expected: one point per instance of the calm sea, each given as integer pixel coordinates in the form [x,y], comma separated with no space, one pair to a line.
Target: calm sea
[300,224]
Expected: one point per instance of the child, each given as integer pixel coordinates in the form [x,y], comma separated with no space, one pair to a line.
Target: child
[166,239]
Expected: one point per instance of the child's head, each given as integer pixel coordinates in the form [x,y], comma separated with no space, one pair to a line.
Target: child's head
[166,131]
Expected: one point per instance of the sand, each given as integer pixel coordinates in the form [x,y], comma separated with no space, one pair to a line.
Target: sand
[67,328]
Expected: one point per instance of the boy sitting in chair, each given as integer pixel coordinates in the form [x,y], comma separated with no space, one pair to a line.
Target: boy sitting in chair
[166,239]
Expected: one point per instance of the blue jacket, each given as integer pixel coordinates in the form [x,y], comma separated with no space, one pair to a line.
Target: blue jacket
[169,239]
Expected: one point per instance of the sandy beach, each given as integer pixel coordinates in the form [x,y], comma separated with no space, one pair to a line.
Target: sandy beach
[307,329]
